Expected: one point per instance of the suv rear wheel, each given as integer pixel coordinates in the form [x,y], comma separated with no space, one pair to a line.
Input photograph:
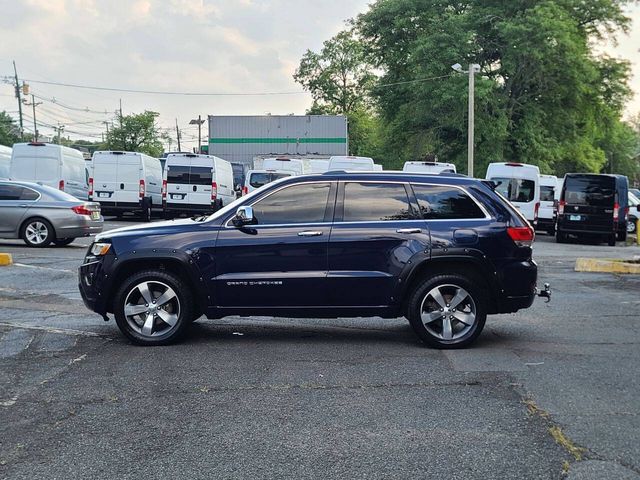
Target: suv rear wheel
[447,311]
[153,307]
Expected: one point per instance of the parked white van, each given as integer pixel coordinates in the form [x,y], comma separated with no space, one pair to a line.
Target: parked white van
[126,182]
[56,166]
[351,163]
[258,178]
[5,162]
[520,184]
[549,195]
[196,184]
[294,165]
[318,165]
[429,167]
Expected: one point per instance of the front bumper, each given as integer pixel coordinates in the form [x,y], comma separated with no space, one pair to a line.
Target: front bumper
[92,281]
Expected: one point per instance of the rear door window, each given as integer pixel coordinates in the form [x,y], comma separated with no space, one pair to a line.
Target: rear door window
[593,190]
[375,202]
[178,174]
[516,189]
[200,176]
[10,192]
[547,194]
[439,202]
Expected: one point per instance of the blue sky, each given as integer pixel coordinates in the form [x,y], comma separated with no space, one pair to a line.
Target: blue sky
[177,45]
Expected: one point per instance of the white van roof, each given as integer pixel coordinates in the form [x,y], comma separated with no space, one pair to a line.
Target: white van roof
[50,147]
[512,170]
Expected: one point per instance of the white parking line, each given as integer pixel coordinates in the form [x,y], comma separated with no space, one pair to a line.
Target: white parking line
[64,331]
[44,268]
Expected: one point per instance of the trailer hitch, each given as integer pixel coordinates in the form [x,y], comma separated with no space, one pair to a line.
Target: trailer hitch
[545,292]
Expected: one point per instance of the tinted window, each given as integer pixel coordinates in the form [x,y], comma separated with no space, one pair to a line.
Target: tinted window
[372,202]
[178,174]
[10,192]
[591,190]
[259,179]
[201,176]
[441,202]
[547,194]
[515,189]
[304,203]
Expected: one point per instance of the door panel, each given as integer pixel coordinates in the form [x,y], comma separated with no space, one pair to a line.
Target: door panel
[271,266]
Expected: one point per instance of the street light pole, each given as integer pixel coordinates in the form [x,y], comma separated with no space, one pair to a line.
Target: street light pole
[198,121]
[473,69]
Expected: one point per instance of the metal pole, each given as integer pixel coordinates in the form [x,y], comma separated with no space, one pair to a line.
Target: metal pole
[199,135]
[470,135]
[15,71]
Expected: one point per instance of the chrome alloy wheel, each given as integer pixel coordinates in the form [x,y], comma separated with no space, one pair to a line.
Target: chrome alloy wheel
[448,312]
[36,232]
[152,308]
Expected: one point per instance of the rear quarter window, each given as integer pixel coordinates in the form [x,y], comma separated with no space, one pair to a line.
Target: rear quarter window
[439,202]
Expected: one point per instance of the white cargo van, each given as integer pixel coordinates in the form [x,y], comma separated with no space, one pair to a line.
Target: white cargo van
[126,182]
[294,165]
[549,195]
[258,178]
[196,184]
[318,165]
[5,162]
[350,163]
[429,167]
[520,184]
[56,166]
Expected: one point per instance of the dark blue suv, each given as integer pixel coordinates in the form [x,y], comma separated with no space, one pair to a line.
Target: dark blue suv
[442,250]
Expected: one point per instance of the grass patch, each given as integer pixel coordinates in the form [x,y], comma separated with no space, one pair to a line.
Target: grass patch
[566,443]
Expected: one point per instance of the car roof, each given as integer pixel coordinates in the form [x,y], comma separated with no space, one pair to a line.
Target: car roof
[43,189]
[390,176]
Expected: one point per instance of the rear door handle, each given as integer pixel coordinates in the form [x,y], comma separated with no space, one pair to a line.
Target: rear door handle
[310,233]
[409,230]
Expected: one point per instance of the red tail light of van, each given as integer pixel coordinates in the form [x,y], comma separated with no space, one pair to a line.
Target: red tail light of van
[90,188]
[616,211]
[536,210]
[214,191]
[561,205]
[61,185]
[142,190]
[164,190]
[245,191]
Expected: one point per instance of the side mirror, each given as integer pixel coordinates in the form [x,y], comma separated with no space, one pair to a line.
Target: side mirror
[244,216]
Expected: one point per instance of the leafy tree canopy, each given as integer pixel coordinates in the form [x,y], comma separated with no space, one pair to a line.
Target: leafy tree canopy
[9,130]
[136,133]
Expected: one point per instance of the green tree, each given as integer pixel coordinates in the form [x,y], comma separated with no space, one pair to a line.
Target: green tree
[339,80]
[136,133]
[542,96]
[9,130]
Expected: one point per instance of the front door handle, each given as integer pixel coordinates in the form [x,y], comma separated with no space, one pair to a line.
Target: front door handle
[409,230]
[24,206]
[310,233]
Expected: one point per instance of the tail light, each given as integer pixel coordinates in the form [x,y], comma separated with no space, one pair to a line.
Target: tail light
[61,185]
[90,188]
[141,191]
[522,236]
[561,205]
[214,191]
[164,190]
[616,210]
[245,191]
[536,210]
[81,210]
[626,212]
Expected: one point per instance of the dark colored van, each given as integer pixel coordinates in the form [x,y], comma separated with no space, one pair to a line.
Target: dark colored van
[593,206]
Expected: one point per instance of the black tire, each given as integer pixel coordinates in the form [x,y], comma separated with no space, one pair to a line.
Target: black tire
[561,237]
[551,231]
[184,315]
[622,235]
[63,242]
[611,240]
[37,224]
[146,210]
[447,282]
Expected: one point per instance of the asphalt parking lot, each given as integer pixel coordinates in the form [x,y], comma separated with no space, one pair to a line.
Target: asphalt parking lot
[546,392]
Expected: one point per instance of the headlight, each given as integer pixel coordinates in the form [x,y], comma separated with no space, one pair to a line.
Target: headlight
[99,249]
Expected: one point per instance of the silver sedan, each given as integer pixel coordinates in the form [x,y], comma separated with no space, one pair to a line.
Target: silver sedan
[42,215]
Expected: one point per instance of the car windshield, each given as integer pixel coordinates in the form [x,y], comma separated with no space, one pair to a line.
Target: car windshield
[593,190]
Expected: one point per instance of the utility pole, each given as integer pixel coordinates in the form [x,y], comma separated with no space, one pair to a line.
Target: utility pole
[178,135]
[34,104]
[59,130]
[473,69]
[198,122]
[120,113]
[15,71]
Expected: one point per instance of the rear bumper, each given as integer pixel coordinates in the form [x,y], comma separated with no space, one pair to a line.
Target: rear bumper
[120,206]
[82,228]
[518,289]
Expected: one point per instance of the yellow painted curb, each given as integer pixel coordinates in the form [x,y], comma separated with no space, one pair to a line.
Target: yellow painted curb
[606,265]
[5,259]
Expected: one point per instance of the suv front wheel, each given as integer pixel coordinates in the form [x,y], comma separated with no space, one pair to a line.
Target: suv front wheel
[153,307]
[447,311]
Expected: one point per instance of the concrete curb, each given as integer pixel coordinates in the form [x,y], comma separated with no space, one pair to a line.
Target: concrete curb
[5,259]
[607,265]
